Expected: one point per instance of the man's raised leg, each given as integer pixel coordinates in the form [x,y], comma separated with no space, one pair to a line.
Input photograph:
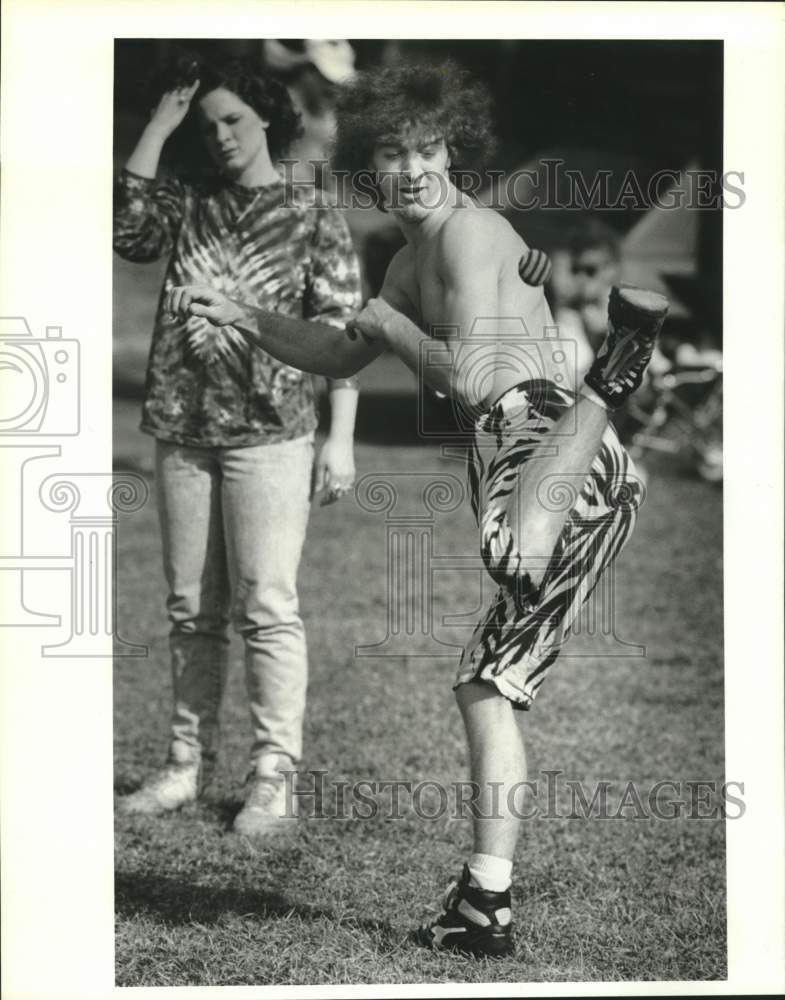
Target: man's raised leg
[565,455]
[566,451]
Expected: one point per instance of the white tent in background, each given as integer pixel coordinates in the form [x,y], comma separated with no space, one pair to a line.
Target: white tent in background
[664,242]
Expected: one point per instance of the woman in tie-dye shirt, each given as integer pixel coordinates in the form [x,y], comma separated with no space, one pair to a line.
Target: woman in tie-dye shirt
[234,427]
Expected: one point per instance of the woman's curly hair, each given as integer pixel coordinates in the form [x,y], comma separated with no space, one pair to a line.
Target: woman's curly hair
[269,99]
[382,103]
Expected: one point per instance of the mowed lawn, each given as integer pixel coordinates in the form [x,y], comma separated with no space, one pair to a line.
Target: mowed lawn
[595,899]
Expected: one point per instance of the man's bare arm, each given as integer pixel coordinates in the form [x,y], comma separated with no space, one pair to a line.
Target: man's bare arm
[425,356]
[305,344]
[310,346]
[437,361]
[428,358]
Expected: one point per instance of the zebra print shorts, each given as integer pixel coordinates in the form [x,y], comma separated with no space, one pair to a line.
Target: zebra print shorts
[524,629]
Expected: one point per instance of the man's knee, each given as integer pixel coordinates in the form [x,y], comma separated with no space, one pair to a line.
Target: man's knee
[484,709]
[477,690]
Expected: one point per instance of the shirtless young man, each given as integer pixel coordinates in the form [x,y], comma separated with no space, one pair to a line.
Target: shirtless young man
[532,433]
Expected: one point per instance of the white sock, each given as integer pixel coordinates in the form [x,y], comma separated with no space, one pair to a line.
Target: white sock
[490,873]
[589,393]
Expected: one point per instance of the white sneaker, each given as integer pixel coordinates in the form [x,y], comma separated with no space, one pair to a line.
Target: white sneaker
[268,810]
[174,785]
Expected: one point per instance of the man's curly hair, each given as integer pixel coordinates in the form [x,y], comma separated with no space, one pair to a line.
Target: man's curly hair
[269,99]
[381,103]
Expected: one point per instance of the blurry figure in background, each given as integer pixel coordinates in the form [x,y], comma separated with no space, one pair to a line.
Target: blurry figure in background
[234,427]
[312,70]
[595,266]
[678,409]
[582,294]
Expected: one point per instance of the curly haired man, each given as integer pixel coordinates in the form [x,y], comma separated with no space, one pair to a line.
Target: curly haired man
[453,295]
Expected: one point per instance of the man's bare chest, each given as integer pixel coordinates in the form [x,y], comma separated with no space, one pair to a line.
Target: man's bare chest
[426,290]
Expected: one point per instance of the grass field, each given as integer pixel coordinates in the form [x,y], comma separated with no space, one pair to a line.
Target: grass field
[612,899]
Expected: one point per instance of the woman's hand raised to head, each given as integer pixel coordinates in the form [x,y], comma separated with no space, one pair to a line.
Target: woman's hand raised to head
[172,109]
[164,119]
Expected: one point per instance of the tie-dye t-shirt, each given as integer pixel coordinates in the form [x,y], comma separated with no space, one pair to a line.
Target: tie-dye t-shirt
[278,247]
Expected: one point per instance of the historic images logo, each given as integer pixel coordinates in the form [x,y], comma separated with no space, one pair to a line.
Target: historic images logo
[39,403]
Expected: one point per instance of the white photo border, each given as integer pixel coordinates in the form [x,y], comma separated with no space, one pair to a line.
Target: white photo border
[55,269]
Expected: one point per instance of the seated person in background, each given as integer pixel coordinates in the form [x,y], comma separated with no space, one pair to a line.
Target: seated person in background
[595,266]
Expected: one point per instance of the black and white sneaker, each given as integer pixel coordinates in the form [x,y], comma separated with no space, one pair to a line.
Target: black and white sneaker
[475,921]
[635,318]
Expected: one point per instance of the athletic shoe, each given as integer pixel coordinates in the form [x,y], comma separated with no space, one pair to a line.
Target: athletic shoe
[267,811]
[475,921]
[635,318]
[174,785]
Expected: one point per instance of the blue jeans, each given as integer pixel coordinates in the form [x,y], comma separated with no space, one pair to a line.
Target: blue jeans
[233,523]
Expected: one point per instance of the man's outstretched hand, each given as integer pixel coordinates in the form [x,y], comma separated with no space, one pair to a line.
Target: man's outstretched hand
[374,320]
[201,300]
